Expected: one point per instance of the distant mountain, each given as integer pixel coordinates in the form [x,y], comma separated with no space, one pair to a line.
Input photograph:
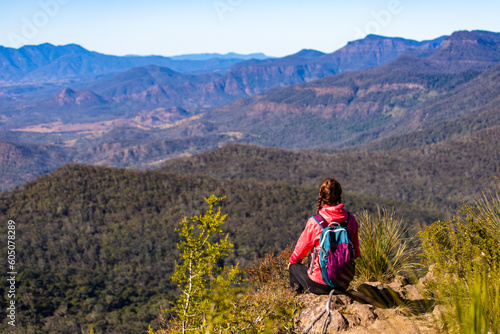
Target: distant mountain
[69,63]
[153,86]
[122,88]
[70,97]
[309,53]
[251,77]
[409,94]
[371,51]
[465,50]
[230,55]
[375,50]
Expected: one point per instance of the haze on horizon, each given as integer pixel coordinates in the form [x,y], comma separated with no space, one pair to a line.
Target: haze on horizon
[275,28]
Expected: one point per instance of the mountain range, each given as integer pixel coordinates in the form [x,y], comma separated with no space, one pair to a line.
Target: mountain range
[72,63]
[230,55]
[125,87]
[376,93]
[405,125]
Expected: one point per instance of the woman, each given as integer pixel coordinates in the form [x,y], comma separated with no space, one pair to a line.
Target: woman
[330,207]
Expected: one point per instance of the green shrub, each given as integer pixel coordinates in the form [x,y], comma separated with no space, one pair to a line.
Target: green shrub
[385,249]
[211,299]
[466,257]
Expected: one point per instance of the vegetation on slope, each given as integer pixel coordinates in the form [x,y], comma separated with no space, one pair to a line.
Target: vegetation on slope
[20,163]
[97,245]
[432,176]
[466,266]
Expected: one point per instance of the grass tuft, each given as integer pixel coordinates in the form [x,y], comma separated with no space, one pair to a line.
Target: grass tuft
[386,251]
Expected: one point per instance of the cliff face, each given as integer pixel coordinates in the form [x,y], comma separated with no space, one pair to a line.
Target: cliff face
[377,50]
[466,50]
[309,65]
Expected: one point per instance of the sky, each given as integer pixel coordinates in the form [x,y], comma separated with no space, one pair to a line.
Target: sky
[274,27]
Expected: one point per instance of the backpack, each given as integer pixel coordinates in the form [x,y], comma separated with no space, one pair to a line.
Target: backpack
[336,253]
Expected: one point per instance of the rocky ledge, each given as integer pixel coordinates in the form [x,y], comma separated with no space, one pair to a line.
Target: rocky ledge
[398,307]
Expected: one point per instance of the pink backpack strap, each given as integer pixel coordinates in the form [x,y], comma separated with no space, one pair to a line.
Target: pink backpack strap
[320,220]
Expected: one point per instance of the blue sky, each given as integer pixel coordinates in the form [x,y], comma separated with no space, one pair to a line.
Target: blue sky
[275,27]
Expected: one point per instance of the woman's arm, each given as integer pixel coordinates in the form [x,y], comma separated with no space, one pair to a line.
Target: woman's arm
[306,241]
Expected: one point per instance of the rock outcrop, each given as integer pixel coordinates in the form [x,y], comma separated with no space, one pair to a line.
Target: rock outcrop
[398,307]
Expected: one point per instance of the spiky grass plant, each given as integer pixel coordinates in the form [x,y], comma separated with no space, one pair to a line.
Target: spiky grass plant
[386,251]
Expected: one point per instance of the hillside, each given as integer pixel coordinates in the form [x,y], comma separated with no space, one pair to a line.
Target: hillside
[470,107]
[369,104]
[20,163]
[98,244]
[465,50]
[432,176]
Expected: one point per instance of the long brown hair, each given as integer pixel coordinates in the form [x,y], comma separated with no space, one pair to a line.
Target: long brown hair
[330,193]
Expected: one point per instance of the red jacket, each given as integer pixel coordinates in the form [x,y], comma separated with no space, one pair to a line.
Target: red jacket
[309,238]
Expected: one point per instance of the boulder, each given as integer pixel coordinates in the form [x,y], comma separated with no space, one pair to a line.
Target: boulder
[316,317]
[412,292]
[363,312]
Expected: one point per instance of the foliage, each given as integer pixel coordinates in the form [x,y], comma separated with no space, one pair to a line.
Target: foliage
[385,249]
[98,245]
[197,307]
[209,302]
[270,268]
[466,261]
[272,293]
[26,161]
[98,248]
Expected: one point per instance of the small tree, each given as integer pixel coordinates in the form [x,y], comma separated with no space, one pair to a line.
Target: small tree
[198,266]
[210,299]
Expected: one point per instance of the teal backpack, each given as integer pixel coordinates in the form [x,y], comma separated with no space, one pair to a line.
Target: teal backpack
[336,253]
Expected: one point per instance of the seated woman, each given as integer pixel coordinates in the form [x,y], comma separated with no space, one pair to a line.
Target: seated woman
[330,207]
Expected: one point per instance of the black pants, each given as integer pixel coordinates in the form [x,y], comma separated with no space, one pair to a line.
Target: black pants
[300,282]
